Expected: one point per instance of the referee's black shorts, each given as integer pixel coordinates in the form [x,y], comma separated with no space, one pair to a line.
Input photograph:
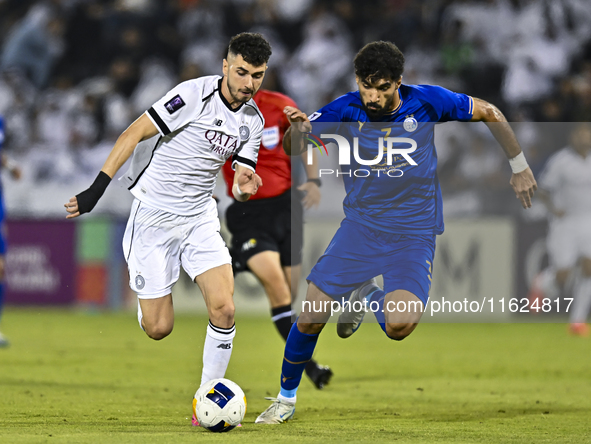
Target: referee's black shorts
[273,224]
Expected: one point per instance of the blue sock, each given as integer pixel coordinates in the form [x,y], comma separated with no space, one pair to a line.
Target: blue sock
[379,296]
[299,349]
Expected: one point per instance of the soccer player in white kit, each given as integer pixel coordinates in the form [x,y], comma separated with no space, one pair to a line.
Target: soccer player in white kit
[565,189]
[186,138]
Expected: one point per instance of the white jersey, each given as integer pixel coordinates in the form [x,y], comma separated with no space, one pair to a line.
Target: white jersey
[176,170]
[567,177]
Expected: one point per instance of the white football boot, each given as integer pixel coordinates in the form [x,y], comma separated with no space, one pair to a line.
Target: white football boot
[278,412]
[350,320]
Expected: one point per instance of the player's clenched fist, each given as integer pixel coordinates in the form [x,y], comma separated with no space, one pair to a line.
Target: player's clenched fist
[246,183]
[300,124]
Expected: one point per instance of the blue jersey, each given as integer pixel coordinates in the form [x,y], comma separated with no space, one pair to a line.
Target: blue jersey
[401,196]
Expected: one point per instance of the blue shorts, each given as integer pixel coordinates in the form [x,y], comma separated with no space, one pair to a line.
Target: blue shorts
[358,253]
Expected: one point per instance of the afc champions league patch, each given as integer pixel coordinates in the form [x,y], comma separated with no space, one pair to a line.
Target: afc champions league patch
[174,104]
[244,132]
[410,124]
[140,282]
[270,137]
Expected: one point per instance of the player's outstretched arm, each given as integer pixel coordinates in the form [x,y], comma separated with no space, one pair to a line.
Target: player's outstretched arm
[141,129]
[312,186]
[523,181]
[302,126]
[246,183]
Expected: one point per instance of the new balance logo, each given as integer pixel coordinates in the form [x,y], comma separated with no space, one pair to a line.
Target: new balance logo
[218,122]
[225,346]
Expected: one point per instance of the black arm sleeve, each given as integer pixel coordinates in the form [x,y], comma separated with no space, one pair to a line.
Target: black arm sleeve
[88,199]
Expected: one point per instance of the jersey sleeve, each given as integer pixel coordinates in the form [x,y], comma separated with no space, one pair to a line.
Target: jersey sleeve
[176,108]
[328,113]
[449,105]
[249,153]
[327,118]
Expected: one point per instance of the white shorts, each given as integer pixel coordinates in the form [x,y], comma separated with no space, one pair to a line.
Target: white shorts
[156,243]
[569,239]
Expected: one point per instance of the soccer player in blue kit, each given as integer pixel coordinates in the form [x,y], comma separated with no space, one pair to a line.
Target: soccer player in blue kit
[390,220]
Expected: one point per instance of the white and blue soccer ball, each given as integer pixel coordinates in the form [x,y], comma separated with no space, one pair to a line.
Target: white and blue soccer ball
[219,405]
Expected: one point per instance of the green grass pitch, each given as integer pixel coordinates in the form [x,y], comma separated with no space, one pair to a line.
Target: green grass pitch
[83,378]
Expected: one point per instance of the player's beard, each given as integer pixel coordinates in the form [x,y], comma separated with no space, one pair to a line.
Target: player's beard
[235,92]
[379,111]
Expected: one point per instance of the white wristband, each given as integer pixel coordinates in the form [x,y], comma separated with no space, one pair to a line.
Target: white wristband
[518,163]
[238,190]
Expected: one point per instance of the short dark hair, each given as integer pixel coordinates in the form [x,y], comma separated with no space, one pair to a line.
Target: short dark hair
[252,46]
[379,60]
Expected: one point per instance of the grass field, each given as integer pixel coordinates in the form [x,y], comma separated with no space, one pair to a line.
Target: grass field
[96,378]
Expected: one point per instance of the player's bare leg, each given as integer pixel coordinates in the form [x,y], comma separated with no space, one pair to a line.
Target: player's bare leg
[311,322]
[582,302]
[217,286]
[157,316]
[276,280]
[397,312]
[292,276]
[402,321]
[266,266]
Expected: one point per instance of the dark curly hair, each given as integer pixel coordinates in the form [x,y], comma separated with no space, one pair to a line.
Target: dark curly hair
[379,60]
[252,46]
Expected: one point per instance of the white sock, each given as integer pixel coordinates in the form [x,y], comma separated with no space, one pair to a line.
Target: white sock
[216,352]
[139,314]
[291,400]
[582,302]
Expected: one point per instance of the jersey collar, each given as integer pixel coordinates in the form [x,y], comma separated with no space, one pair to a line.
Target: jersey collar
[225,102]
[400,102]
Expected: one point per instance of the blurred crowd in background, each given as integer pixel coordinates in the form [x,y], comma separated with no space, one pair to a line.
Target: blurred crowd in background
[75,73]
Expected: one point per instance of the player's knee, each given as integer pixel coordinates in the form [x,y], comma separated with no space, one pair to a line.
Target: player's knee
[398,332]
[159,330]
[222,314]
[310,328]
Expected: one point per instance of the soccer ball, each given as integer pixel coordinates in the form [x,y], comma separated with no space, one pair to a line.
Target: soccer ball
[219,405]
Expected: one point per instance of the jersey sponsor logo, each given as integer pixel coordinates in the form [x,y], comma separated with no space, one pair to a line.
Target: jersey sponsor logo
[140,282]
[244,132]
[314,116]
[223,144]
[410,123]
[249,244]
[174,104]
[270,137]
